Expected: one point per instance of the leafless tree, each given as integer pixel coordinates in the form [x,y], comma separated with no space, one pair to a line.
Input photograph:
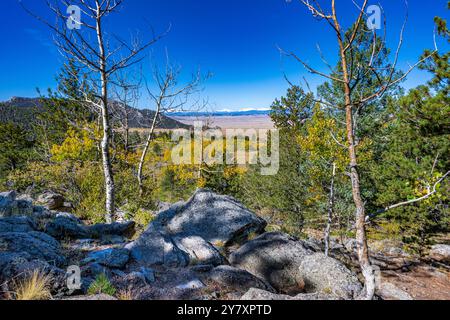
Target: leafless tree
[101,55]
[126,95]
[355,101]
[168,96]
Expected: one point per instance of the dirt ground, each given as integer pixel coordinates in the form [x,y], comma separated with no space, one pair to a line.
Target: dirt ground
[422,282]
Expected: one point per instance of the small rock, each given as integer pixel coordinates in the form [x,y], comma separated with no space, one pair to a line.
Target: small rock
[191,285]
[440,253]
[199,251]
[92,270]
[24,207]
[239,280]
[42,213]
[51,200]
[8,204]
[111,258]
[388,291]
[69,216]
[258,295]
[98,297]
[148,274]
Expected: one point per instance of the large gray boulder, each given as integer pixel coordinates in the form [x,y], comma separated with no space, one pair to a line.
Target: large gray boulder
[274,257]
[64,227]
[261,295]
[220,220]
[67,226]
[13,205]
[8,204]
[327,275]
[38,245]
[21,265]
[440,253]
[199,251]
[123,229]
[14,265]
[154,248]
[235,279]
[17,224]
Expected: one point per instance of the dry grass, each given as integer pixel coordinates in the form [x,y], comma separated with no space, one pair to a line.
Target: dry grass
[126,295]
[35,287]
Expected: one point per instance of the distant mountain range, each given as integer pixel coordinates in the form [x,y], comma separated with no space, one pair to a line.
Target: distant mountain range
[223,113]
[24,110]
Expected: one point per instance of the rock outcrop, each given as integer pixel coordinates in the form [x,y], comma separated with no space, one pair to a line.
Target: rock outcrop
[38,245]
[220,220]
[274,257]
[291,266]
[121,229]
[154,248]
[11,205]
[17,224]
[66,226]
[63,227]
[111,258]
[185,252]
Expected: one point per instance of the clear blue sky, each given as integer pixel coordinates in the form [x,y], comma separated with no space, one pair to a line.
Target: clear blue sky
[234,39]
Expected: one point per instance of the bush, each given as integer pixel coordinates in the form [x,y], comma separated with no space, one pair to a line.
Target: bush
[102,285]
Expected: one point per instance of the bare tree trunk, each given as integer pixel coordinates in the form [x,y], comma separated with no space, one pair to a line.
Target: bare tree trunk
[361,238]
[106,157]
[330,212]
[145,151]
[127,133]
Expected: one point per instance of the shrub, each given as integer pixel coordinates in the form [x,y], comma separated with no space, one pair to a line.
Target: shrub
[102,285]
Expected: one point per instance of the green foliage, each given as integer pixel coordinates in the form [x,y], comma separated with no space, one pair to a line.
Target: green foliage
[143,217]
[16,148]
[102,285]
[416,155]
[291,111]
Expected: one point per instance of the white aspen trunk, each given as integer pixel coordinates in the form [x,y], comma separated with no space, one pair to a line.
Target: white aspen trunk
[330,213]
[105,143]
